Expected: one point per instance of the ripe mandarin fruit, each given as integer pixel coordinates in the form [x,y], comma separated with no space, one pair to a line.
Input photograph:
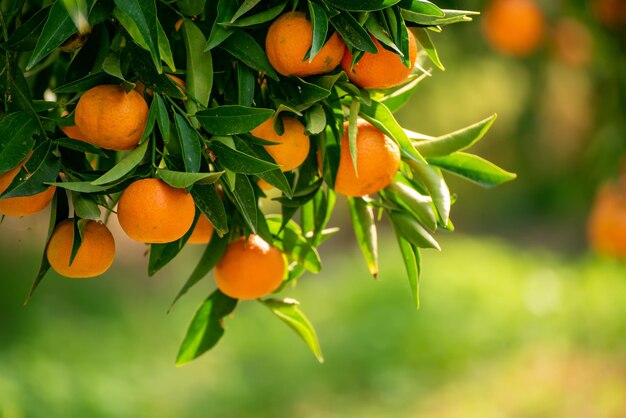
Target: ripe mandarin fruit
[22,205]
[202,231]
[95,254]
[292,146]
[611,13]
[606,226]
[514,27]
[250,269]
[378,160]
[381,70]
[264,185]
[288,40]
[151,211]
[110,118]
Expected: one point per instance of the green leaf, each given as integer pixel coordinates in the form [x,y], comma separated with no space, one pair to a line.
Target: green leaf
[85,207]
[319,21]
[315,119]
[191,7]
[242,46]
[411,259]
[206,327]
[398,98]
[427,44]
[244,8]
[436,186]
[225,10]
[274,177]
[451,16]
[473,168]
[421,7]
[58,28]
[144,14]
[125,166]
[85,83]
[455,141]
[16,130]
[246,85]
[79,186]
[211,255]
[162,117]
[58,213]
[210,203]
[80,146]
[162,254]
[381,117]
[239,162]
[292,242]
[199,76]
[165,50]
[361,5]
[245,200]
[259,18]
[352,32]
[379,33]
[231,120]
[182,180]
[363,221]
[78,11]
[419,205]
[412,230]
[42,167]
[189,143]
[112,66]
[287,311]
[25,36]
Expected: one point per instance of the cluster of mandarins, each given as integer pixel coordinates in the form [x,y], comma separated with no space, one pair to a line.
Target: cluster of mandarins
[151,211]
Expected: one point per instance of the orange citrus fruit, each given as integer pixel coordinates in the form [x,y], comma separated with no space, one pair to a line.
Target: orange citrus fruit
[73,132]
[250,269]
[514,27]
[292,147]
[378,160]
[611,13]
[22,205]
[202,231]
[381,70]
[95,254]
[110,118]
[264,185]
[152,211]
[606,226]
[289,39]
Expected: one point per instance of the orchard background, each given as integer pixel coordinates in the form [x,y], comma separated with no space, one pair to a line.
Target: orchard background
[515,300]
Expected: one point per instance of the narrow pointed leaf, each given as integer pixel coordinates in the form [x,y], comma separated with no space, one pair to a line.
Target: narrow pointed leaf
[206,327]
[363,221]
[287,311]
[456,141]
[473,168]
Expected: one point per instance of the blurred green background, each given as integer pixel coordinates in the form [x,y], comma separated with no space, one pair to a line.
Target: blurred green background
[518,318]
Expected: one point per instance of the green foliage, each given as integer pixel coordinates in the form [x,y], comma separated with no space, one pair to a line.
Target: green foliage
[198,137]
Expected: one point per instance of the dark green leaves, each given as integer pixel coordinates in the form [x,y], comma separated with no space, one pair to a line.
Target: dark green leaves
[199,77]
[58,28]
[189,143]
[182,179]
[231,120]
[287,311]
[16,130]
[242,46]
[143,13]
[352,32]
[206,327]
[361,5]
[42,167]
[319,21]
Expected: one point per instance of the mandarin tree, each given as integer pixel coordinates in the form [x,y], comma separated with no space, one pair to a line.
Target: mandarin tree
[178,116]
